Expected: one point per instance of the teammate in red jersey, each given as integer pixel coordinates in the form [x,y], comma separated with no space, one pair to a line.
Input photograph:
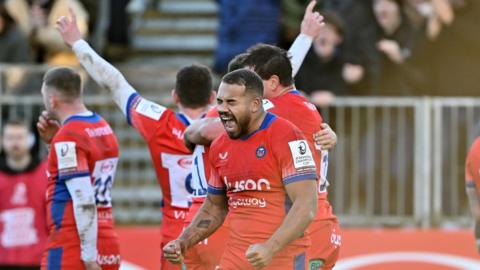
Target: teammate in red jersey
[161,128]
[23,184]
[263,175]
[81,171]
[207,253]
[472,185]
[273,63]
[273,66]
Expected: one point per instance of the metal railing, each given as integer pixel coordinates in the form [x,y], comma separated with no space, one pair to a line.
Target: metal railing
[398,161]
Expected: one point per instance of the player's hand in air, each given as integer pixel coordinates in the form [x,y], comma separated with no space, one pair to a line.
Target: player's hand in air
[259,255]
[325,138]
[47,127]
[312,21]
[68,28]
[173,252]
[92,266]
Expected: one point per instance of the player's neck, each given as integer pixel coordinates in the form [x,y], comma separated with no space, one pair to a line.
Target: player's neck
[19,164]
[193,113]
[256,122]
[284,89]
[71,109]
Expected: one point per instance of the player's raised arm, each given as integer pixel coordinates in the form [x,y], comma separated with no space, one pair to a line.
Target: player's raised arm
[207,220]
[310,27]
[100,70]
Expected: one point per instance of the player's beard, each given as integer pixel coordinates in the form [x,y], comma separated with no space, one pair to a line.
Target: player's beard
[235,127]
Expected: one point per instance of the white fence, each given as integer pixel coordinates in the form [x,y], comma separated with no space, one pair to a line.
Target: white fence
[398,161]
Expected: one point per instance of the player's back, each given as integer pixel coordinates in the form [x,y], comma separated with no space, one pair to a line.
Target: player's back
[300,112]
[163,129]
[84,146]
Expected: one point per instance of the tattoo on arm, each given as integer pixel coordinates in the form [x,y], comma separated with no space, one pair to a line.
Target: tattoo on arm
[208,219]
[205,223]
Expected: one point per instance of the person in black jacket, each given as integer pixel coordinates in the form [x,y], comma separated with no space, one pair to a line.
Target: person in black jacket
[396,41]
[14,45]
[325,72]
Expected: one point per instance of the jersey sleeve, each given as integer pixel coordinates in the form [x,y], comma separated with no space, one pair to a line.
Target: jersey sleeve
[215,184]
[298,51]
[71,158]
[104,74]
[293,155]
[145,115]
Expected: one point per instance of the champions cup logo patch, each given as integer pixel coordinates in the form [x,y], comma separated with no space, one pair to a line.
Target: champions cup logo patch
[301,154]
[150,109]
[64,150]
[267,104]
[261,151]
[302,147]
[155,108]
[66,155]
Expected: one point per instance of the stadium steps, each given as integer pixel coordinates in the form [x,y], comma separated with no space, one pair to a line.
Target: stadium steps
[175,34]
[178,28]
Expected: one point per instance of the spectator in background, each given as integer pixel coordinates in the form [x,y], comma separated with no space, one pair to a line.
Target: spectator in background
[23,184]
[14,46]
[37,20]
[360,33]
[325,72]
[395,44]
[243,25]
[456,52]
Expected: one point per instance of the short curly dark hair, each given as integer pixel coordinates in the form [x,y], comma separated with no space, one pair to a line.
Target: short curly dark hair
[194,86]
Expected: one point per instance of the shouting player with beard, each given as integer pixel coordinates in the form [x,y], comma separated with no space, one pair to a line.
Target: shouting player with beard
[207,253]
[263,177]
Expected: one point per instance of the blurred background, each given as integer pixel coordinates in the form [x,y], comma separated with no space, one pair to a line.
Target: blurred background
[396,79]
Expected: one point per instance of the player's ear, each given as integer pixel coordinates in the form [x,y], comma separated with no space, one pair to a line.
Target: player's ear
[213,96]
[256,105]
[274,82]
[175,97]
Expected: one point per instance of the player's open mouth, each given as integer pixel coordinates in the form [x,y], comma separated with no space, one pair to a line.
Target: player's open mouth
[228,121]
